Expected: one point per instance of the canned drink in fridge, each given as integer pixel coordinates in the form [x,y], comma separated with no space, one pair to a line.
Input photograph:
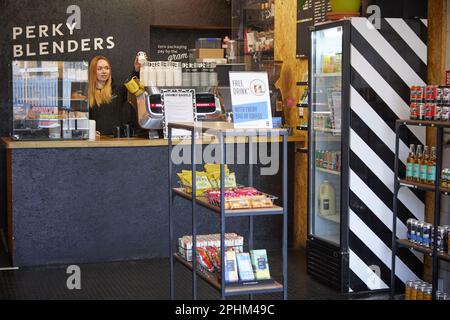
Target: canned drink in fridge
[445,115]
[422,111]
[426,234]
[440,295]
[408,289]
[441,239]
[411,235]
[448,240]
[414,228]
[445,95]
[421,291]
[428,294]
[419,232]
[438,113]
[415,289]
[414,109]
[430,110]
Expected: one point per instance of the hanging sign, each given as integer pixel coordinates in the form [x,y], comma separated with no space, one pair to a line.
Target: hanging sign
[250,96]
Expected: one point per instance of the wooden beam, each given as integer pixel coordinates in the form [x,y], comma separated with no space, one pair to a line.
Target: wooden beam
[437,53]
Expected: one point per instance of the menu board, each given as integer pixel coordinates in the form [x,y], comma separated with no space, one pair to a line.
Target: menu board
[309,13]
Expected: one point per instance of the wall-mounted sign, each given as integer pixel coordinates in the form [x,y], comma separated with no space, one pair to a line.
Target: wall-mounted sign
[309,13]
[251,100]
[170,44]
[55,38]
[178,106]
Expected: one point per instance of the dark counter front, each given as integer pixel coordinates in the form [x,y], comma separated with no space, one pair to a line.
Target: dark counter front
[85,202]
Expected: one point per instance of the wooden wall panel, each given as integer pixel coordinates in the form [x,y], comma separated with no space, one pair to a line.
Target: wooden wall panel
[437,44]
[294,70]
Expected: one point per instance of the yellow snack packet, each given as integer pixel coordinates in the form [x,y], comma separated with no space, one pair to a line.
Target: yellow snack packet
[211,168]
[230,180]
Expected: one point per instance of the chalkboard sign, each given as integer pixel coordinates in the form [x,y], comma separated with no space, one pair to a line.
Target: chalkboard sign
[173,44]
[309,13]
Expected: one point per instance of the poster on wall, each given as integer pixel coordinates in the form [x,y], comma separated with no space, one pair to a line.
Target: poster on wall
[174,44]
[251,100]
[179,105]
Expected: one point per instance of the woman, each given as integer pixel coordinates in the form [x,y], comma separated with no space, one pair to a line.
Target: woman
[107,102]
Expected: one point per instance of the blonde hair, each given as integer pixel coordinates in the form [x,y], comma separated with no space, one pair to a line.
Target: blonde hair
[104,95]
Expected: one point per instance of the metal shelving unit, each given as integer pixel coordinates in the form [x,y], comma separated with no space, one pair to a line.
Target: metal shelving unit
[436,188]
[223,131]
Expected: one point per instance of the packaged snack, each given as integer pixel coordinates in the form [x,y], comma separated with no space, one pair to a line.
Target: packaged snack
[230,180]
[210,168]
[214,255]
[204,260]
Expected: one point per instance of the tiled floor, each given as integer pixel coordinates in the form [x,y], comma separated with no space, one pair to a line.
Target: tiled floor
[143,280]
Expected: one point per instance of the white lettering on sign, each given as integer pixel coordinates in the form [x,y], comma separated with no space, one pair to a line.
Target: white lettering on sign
[23,49]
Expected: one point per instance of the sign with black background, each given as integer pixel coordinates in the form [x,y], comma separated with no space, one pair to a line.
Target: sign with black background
[309,14]
[174,43]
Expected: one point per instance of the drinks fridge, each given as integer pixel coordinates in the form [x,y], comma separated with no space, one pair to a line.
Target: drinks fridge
[360,75]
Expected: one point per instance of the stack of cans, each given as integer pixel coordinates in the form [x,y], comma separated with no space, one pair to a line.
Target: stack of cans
[418,290]
[430,103]
[422,233]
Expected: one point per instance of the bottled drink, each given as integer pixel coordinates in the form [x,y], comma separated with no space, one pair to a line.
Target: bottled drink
[416,166]
[444,178]
[431,171]
[424,165]
[410,163]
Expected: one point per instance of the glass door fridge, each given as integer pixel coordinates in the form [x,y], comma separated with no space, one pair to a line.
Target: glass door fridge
[327,237]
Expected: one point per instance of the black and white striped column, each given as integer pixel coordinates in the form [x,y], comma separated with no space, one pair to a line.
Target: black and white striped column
[385,63]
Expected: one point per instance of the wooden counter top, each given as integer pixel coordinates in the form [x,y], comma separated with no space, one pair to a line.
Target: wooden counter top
[109,142]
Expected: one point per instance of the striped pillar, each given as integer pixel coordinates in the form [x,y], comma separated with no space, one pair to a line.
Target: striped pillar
[385,63]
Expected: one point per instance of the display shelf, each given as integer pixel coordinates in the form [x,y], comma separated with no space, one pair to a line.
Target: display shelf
[276,210]
[222,131]
[417,247]
[398,184]
[423,186]
[336,218]
[233,289]
[425,123]
[334,131]
[337,173]
[417,185]
[328,75]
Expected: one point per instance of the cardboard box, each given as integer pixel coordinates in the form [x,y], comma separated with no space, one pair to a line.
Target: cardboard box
[209,53]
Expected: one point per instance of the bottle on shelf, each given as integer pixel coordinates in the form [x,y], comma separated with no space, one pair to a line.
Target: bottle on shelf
[416,171]
[424,165]
[410,163]
[431,171]
[327,198]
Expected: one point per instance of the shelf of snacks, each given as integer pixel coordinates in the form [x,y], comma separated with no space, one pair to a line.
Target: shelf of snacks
[204,202]
[245,273]
[239,201]
[268,286]
[418,247]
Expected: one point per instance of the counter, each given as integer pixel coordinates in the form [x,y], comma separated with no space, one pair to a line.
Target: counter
[74,202]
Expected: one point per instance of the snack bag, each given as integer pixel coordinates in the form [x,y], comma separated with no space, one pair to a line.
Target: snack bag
[204,260]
